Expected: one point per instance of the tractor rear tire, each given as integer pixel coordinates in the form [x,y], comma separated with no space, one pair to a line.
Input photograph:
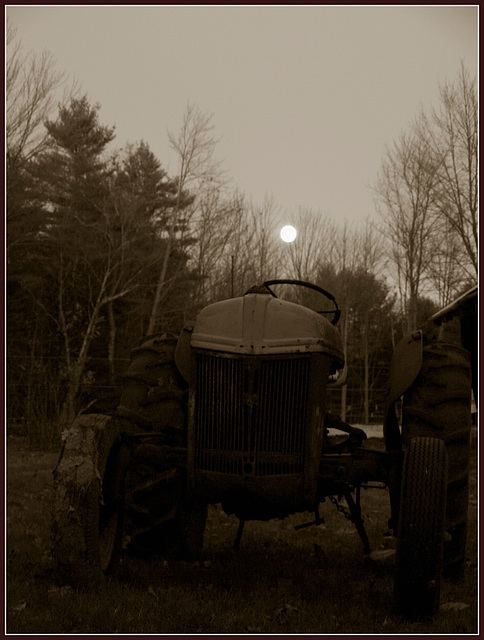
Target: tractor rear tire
[160,518]
[88,508]
[421,528]
[438,405]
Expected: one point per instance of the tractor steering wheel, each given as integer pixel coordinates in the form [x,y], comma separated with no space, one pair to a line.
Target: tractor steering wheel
[336,311]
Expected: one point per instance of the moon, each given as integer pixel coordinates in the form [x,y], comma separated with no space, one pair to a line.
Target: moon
[288,233]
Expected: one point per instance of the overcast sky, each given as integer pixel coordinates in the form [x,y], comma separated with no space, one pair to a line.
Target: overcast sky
[304,98]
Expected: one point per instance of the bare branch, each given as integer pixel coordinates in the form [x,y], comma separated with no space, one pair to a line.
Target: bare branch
[31,87]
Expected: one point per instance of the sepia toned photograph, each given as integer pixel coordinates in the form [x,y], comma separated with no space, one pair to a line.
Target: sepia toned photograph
[241,311]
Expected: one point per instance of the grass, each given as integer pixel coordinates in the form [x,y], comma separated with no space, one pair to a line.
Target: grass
[281,581]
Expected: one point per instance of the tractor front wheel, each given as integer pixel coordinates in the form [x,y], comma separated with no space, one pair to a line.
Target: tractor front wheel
[438,405]
[421,525]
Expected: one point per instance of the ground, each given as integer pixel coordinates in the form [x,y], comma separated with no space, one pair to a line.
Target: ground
[310,581]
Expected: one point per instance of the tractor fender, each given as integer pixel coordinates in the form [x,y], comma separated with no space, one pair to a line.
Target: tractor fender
[405,365]
[404,368]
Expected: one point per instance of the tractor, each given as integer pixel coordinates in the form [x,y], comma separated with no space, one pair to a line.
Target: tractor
[233,411]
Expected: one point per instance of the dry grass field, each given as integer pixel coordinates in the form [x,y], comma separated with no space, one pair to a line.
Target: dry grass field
[282,581]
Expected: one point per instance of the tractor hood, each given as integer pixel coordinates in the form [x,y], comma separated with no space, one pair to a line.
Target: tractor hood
[261,324]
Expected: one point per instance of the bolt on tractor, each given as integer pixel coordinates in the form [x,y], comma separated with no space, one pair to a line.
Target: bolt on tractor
[233,411]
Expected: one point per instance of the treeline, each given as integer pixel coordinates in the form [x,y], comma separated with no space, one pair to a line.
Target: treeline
[427,195]
[105,247]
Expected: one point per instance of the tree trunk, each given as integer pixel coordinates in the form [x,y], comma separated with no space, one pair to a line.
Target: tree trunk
[159,287]
[412,312]
[76,366]
[69,409]
[112,342]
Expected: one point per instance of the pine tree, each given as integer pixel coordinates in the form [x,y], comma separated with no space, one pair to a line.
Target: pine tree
[78,257]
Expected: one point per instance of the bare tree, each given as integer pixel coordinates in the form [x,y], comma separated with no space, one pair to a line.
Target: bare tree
[428,199]
[249,255]
[216,226]
[455,141]
[32,84]
[406,192]
[235,267]
[105,285]
[198,171]
[449,269]
[369,247]
[314,245]
[264,243]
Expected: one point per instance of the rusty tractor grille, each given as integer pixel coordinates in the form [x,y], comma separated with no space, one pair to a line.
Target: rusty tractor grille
[250,414]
